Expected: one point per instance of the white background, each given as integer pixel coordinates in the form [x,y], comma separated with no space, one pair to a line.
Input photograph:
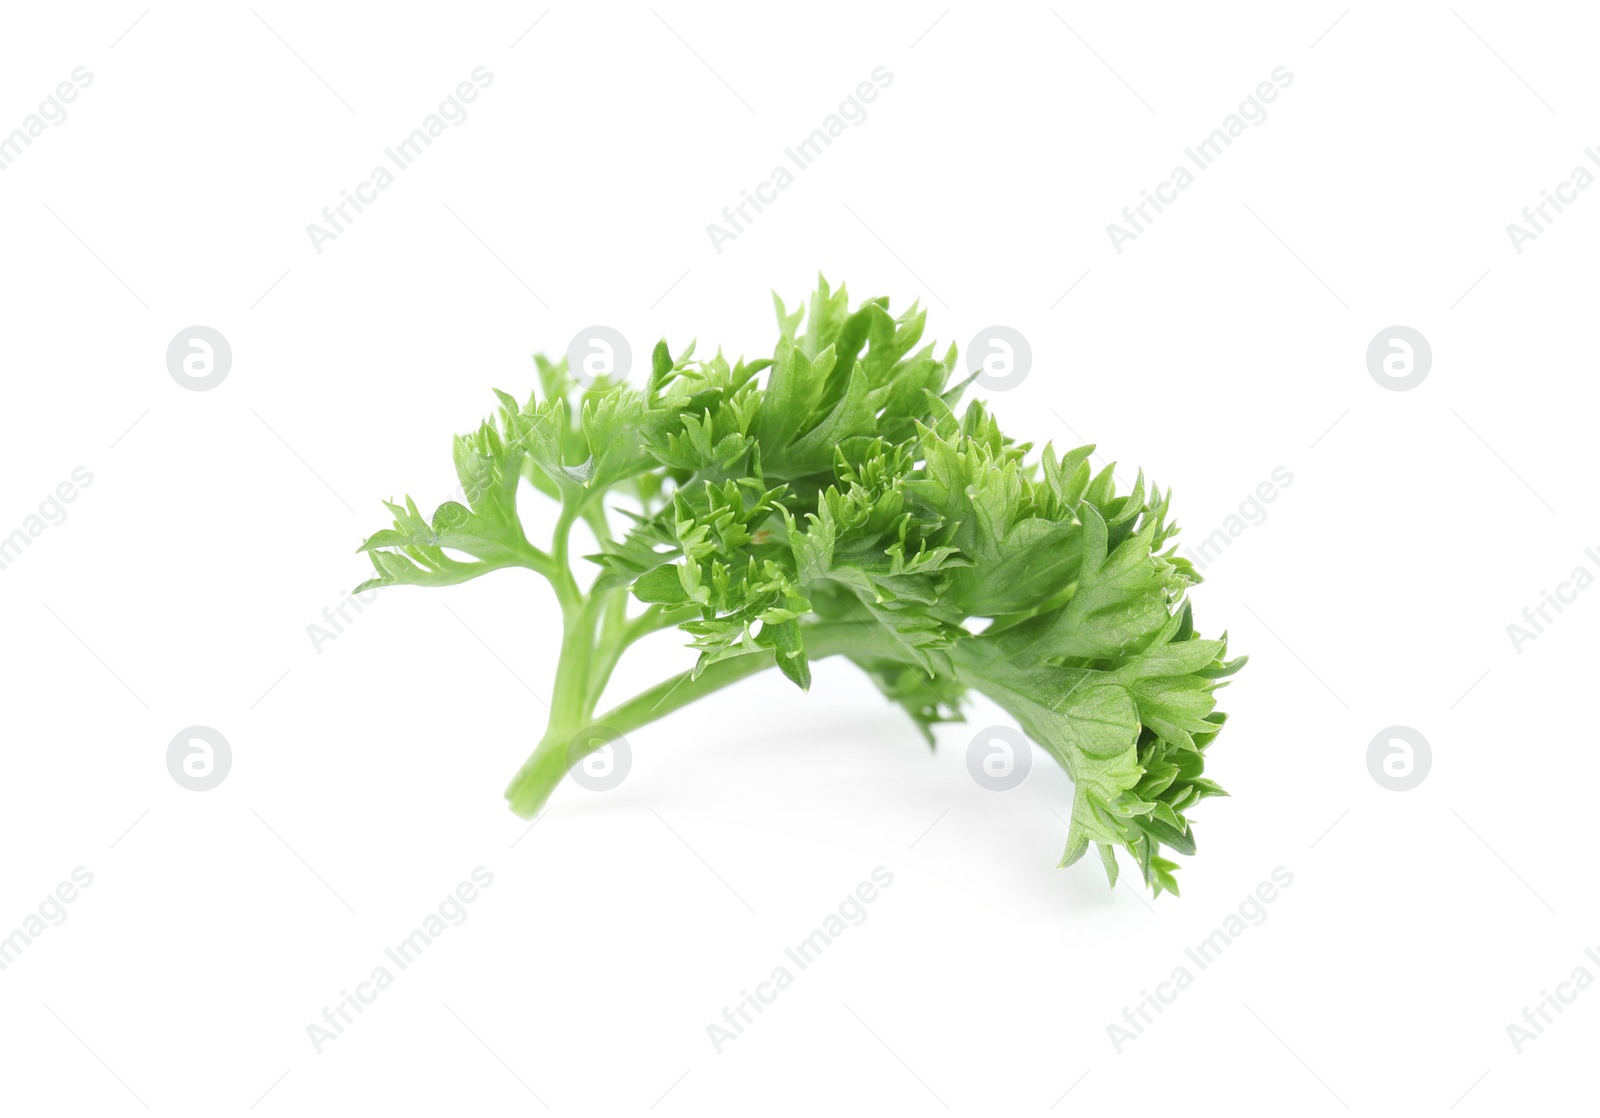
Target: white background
[1227,340]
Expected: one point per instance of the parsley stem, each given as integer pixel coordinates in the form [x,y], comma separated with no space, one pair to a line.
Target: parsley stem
[568,742]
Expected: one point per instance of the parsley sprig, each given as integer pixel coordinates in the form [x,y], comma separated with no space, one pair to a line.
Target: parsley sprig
[841,505]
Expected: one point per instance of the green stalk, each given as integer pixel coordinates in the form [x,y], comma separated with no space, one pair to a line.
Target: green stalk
[565,744]
[570,705]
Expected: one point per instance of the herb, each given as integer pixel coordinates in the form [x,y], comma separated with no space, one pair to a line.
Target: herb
[840,506]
